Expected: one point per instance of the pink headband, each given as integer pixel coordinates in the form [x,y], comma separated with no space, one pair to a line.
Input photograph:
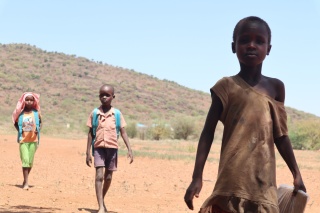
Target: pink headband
[21,103]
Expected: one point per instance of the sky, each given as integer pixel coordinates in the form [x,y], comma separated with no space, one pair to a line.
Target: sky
[188,42]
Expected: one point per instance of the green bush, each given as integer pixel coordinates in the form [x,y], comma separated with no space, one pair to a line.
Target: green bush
[131,130]
[183,127]
[159,130]
[305,134]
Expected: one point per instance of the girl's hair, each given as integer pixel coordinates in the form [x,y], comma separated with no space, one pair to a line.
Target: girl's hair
[251,19]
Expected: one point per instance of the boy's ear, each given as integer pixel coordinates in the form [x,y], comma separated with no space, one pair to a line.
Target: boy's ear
[233,47]
[269,49]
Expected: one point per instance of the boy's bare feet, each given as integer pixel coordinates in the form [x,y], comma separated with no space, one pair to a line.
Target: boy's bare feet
[25,186]
[102,211]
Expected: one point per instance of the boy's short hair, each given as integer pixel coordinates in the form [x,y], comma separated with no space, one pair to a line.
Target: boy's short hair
[251,19]
[107,85]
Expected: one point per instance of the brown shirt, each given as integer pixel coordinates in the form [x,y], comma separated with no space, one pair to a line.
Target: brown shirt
[106,134]
[247,162]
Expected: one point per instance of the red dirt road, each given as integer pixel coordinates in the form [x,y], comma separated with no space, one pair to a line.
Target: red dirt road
[61,182]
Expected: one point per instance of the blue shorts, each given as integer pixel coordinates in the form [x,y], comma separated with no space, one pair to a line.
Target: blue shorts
[106,157]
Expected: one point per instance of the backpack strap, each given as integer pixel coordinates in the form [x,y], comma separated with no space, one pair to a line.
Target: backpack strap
[36,117]
[117,115]
[94,123]
[20,122]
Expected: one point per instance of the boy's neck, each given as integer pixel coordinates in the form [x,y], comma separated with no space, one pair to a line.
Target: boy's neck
[105,108]
[250,69]
[251,76]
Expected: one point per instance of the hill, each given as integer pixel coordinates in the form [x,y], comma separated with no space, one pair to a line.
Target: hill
[69,89]
[69,85]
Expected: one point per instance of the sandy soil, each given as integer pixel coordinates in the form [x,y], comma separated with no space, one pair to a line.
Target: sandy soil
[61,182]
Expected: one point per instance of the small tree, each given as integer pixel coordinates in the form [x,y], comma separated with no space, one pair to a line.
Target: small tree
[305,135]
[183,127]
[131,130]
[159,130]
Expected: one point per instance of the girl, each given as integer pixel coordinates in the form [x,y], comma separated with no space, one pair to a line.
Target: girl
[27,121]
[251,107]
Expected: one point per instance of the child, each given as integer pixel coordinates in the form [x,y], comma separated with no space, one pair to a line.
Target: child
[27,121]
[251,107]
[105,151]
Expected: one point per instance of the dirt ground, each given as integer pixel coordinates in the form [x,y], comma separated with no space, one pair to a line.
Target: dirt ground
[61,182]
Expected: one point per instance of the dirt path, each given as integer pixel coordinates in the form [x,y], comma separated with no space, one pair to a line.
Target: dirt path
[61,182]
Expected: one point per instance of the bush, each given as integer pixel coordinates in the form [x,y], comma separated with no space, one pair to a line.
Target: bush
[131,130]
[183,127]
[159,130]
[305,135]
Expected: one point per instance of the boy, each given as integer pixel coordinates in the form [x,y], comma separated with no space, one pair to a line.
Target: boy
[251,107]
[105,145]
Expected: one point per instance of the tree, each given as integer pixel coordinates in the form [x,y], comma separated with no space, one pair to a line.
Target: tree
[305,134]
[131,130]
[159,130]
[183,127]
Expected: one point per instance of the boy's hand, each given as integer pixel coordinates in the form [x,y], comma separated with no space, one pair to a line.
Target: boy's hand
[89,160]
[130,155]
[193,191]
[298,185]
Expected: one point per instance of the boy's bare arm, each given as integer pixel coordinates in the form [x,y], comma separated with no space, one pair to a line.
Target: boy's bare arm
[204,146]
[126,141]
[285,149]
[89,143]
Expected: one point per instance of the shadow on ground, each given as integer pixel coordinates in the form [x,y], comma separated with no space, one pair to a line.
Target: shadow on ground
[20,186]
[92,210]
[28,209]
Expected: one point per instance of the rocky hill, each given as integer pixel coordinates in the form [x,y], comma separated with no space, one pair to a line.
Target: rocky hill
[69,85]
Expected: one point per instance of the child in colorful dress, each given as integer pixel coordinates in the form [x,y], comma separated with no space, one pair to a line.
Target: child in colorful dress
[27,121]
[251,107]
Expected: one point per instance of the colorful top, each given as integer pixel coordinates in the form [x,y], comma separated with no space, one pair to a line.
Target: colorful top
[246,179]
[106,134]
[29,133]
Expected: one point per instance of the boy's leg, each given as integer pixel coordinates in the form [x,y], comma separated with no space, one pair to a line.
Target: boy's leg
[107,183]
[104,158]
[111,166]
[98,186]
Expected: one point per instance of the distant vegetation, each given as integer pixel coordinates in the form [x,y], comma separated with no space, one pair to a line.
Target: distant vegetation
[154,109]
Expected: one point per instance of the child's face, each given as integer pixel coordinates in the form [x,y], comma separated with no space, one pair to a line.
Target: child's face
[29,101]
[106,96]
[251,44]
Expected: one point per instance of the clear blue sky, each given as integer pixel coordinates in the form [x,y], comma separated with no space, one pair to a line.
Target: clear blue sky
[188,42]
